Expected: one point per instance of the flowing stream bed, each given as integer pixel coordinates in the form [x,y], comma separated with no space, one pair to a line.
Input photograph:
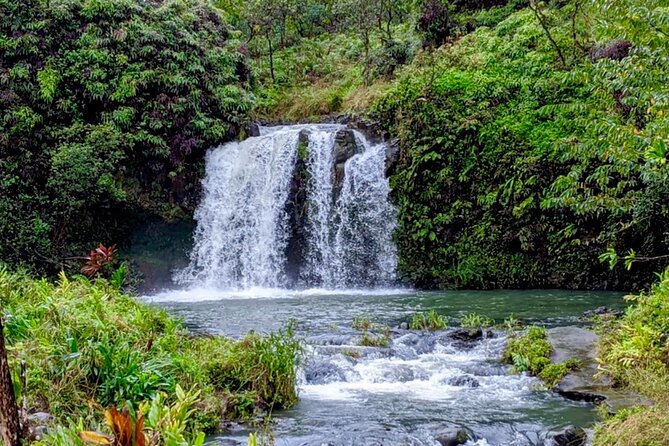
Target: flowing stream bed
[419,387]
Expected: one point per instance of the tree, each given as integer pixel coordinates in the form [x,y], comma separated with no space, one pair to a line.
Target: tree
[10,427]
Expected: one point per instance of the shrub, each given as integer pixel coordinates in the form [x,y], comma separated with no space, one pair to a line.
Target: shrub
[475,320]
[531,352]
[88,345]
[428,321]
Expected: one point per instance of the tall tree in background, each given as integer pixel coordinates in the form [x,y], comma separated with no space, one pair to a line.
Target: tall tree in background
[9,415]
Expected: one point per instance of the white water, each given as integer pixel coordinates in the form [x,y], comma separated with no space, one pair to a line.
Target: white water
[243,227]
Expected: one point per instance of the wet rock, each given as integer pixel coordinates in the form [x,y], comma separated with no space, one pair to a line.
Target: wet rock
[462,381]
[571,436]
[603,311]
[404,373]
[345,146]
[491,369]
[404,326]
[464,338]
[585,384]
[324,372]
[392,157]
[330,339]
[39,418]
[420,344]
[452,437]
[581,344]
[253,129]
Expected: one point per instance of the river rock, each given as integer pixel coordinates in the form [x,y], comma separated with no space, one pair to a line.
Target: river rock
[462,381]
[570,436]
[404,326]
[603,311]
[585,384]
[452,437]
[465,338]
[581,344]
[323,372]
[39,418]
[253,129]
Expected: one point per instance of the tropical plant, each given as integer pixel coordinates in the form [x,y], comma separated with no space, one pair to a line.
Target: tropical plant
[430,320]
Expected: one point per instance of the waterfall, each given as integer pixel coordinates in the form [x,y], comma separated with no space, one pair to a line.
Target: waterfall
[303,206]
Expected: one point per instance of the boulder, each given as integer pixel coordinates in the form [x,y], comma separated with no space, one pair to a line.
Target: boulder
[392,157]
[603,311]
[570,436]
[585,384]
[253,129]
[452,437]
[462,381]
[581,344]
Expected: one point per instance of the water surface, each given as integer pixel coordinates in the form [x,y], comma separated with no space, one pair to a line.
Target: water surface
[408,393]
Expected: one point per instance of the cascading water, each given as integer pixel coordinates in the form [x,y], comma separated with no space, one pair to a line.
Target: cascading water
[318,191]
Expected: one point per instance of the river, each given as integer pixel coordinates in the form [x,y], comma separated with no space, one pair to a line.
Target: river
[421,385]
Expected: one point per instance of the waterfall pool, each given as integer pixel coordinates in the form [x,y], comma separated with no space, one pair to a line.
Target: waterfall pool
[411,392]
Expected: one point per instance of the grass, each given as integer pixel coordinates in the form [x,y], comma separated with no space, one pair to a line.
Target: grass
[369,339]
[88,346]
[430,320]
[374,340]
[475,320]
[633,353]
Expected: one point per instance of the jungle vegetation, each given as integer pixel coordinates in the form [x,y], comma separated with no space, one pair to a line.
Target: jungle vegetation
[532,134]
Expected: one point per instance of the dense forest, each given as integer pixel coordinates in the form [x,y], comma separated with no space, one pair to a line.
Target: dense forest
[530,156]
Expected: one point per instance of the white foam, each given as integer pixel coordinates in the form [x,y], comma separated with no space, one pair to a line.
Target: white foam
[205,294]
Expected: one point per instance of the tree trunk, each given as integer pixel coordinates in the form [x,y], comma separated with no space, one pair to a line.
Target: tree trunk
[271,57]
[9,414]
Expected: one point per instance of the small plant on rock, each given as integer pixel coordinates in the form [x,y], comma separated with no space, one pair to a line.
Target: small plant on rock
[428,321]
[475,320]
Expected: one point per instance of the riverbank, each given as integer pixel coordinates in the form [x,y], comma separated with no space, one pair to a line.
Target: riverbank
[633,353]
[88,346]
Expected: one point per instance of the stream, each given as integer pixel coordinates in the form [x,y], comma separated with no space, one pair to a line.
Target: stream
[416,390]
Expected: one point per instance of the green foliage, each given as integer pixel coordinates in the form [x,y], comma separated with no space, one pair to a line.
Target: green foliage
[633,353]
[374,340]
[89,343]
[430,320]
[637,342]
[367,337]
[516,171]
[553,373]
[475,320]
[529,352]
[362,323]
[108,107]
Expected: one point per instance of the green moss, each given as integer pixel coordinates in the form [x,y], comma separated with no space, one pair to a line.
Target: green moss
[430,320]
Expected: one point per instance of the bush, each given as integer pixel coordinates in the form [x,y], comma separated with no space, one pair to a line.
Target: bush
[108,107]
[428,321]
[633,353]
[515,173]
[531,352]
[88,346]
